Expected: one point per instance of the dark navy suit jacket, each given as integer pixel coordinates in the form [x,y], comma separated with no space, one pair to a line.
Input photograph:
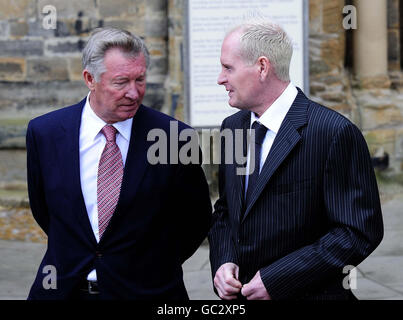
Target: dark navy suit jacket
[315,209]
[162,216]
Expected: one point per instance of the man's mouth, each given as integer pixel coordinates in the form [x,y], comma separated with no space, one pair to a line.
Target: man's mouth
[129,104]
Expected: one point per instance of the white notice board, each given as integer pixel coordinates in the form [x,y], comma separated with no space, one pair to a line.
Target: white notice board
[207,22]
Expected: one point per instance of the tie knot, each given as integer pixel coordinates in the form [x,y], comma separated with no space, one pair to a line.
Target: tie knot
[260,132]
[109,132]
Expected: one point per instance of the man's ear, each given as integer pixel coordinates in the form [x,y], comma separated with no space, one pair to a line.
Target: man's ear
[89,79]
[264,66]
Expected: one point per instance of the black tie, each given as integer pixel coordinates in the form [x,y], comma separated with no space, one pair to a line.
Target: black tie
[260,133]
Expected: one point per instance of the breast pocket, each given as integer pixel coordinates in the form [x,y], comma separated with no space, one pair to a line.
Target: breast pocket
[295,186]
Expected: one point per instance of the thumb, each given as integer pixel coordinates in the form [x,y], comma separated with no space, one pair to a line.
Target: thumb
[245,290]
[236,273]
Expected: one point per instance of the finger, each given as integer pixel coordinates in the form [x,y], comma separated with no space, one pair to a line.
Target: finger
[237,273]
[225,296]
[225,288]
[230,279]
[233,283]
[246,290]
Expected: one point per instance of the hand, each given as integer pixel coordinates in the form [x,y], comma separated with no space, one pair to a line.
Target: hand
[226,281]
[255,289]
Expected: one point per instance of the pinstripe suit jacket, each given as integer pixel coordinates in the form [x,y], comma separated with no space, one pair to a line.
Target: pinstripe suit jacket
[315,208]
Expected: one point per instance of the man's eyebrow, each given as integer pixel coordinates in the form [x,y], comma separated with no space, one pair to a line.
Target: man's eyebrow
[120,78]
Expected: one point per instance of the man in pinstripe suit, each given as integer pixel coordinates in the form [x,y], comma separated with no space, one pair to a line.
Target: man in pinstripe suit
[312,208]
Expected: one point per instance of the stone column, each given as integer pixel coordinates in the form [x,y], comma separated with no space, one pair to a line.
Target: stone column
[370,44]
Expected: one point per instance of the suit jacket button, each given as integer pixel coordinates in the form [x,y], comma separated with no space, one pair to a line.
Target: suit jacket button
[98,254]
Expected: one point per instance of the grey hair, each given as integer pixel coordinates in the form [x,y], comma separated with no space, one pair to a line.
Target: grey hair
[103,39]
[260,37]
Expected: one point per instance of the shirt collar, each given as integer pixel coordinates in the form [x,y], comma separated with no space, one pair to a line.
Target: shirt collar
[275,114]
[94,124]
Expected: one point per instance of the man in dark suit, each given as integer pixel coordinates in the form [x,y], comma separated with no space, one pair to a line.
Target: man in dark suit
[118,227]
[311,206]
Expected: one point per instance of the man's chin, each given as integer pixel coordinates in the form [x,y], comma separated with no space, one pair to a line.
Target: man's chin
[235,105]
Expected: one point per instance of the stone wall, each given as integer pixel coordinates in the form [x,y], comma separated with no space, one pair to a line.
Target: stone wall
[40,69]
[374,105]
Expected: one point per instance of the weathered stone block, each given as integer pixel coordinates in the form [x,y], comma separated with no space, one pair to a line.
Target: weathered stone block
[155,95]
[333,16]
[18,29]
[333,96]
[333,52]
[393,13]
[393,45]
[36,29]
[315,88]
[317,67]
[16,9]
[21,48]
[47,69]
[399,144]
[384,138]
[13,165]
[135,26]
[121,8]
[157,27]
[70,46]
[4,29]
[375,116]
[35,98]
[156,5]
[375,82]
[12,69]
[12,132]
[315,16]
[75,69]
[158,66]
[157,47]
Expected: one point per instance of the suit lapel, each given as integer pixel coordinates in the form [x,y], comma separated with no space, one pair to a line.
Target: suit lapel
[239,188]
[286,139]
[67,147]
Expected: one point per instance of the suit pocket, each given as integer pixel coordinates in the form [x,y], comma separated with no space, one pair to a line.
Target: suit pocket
[294,186]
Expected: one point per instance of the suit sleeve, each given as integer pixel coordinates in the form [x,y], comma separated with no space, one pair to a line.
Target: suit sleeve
[353,212]
[195,207]
[35,182]
[222,249]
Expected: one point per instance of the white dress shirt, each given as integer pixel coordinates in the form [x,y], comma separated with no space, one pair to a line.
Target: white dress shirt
[92,143]
[272,119]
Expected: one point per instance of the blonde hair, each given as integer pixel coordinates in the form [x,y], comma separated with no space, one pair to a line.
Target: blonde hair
[260,37]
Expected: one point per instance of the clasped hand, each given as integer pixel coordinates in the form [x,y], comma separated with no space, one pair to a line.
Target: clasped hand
[228,286]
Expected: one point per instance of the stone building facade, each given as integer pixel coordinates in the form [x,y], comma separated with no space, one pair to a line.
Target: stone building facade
[357,72]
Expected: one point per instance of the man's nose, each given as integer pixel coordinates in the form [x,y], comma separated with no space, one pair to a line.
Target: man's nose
[132,92]
[221,78]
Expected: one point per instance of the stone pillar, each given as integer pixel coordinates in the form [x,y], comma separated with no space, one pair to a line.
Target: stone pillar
[174,100]
[370,44]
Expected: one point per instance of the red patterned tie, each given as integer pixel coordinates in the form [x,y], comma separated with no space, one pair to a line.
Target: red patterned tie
[110,174]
